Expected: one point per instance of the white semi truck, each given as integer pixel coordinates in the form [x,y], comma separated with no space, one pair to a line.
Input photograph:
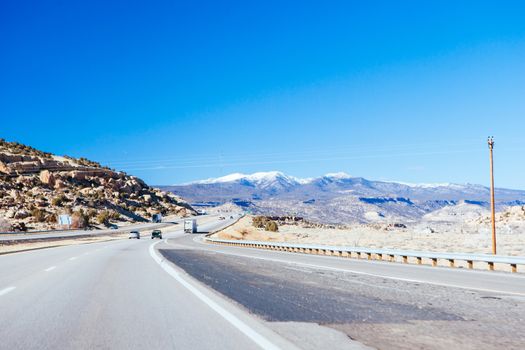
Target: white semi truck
[190,226]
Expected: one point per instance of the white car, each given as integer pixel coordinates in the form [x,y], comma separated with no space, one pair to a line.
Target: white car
[134,234]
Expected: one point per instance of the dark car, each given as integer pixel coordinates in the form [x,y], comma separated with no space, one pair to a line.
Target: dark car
[156,234]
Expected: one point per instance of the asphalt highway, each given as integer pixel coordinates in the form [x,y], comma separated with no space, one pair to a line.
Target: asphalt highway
[182,293]
[380,304]
[115,295]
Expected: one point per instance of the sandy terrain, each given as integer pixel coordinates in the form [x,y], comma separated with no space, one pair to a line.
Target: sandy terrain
[438,233]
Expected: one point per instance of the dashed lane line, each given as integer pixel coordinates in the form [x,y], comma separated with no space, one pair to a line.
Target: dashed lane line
[7,290]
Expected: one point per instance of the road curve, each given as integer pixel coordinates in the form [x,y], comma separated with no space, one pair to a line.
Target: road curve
[112,295]
[186,294]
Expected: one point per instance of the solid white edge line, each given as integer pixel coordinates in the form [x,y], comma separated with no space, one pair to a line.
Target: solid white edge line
[228,316]
[50,268]
[6,290]
[362,273]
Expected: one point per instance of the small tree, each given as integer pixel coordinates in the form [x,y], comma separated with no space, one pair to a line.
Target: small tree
[271,226]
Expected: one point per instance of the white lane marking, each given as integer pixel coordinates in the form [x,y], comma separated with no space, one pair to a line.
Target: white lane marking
[228,316]
[50,268]
[6,290]
[73,258]
[363,273]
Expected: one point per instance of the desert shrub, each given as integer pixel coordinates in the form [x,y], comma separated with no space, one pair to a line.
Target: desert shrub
[51,219]
[103,218]
[5,226]
[87,162]
[91,213]
[19,226]
[259,221]
[244,232]
[271,226]
[114,215]
[79,219]
[39,215]
[59,201]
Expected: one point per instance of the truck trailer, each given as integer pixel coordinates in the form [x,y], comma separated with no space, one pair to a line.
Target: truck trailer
[190,226]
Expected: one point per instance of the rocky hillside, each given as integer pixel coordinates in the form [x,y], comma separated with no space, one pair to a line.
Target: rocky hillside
[36,187]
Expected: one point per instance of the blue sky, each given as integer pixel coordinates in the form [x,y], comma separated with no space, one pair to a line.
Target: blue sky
[174,92]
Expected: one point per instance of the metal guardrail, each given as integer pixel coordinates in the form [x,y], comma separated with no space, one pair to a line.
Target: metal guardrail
[380,254]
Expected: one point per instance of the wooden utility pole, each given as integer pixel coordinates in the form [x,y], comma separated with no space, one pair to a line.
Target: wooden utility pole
[490,142]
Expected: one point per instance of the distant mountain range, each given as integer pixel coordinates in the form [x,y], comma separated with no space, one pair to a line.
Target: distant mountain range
[337,197]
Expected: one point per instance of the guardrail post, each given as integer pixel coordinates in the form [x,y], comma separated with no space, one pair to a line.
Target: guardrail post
[451,262]
[369,256]
[491,266]
[358,255]
[514,268]
[380,256]
[470,264]
[434,262]
[419,260]
[392,258]
[405,259]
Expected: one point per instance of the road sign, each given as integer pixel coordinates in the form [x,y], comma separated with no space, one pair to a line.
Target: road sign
[64,220]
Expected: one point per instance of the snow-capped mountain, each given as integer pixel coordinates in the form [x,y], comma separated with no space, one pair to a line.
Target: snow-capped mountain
[272,179]
[338,197]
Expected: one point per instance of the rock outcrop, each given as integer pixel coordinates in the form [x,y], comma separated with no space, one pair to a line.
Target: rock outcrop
[36,187]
